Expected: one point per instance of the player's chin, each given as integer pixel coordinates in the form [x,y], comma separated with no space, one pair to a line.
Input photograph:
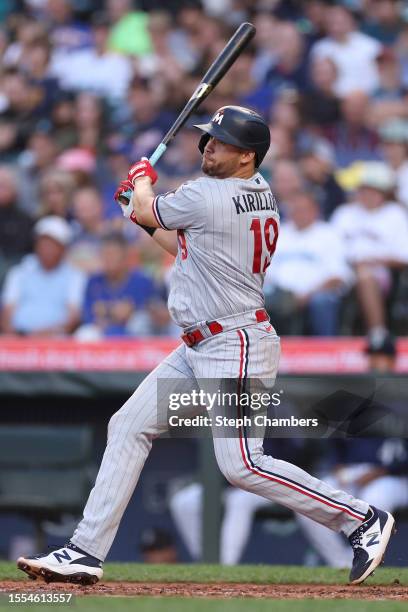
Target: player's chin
[208,168]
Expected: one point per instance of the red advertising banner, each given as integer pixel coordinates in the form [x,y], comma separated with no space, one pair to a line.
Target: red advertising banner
[299,355]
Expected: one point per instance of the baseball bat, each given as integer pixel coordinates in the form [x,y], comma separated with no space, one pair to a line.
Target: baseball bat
[212,77]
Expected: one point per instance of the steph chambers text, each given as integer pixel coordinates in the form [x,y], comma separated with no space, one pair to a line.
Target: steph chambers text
[259,420]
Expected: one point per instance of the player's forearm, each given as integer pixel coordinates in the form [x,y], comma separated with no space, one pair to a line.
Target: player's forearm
[73,320]
[142,201]
[167,240]
[6,320]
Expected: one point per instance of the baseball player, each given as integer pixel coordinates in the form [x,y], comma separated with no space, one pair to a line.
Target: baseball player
[227,224]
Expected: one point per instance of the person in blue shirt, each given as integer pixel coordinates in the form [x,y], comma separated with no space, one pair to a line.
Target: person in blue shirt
[42,295]
[119,301]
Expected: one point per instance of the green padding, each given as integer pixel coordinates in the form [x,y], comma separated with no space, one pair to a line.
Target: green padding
[45,470]
[38,446]
[55,490]
[68,384]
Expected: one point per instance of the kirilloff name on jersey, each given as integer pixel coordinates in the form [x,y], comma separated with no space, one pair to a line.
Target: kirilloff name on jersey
[251,202]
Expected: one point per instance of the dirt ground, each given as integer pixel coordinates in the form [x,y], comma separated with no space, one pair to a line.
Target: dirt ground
[219,590]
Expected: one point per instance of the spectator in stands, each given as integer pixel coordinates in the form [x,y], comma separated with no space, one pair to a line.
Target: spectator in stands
[282,144]
[36,159]
[27,31]
[247,91]
[390,99]
[36,64]
[21,103]
[88,227]
[287,181]
[308,272]
[161,62]
[68,34]
[129,33]
[80,163]
[390,86]
[9,140]
[188,16]
[383,21]
[290,69]
[15,224]
[314,12]
[401,48]
[42,295]
[264,44]
[352,52]
[374,231]
[317,161]
[4,40]
[89,122]
[394,147]
[352,137]
[285,112]
[143,121]
[55,191]
[63,121]
[320,106]
[92,69]
[206,36]
[118,301]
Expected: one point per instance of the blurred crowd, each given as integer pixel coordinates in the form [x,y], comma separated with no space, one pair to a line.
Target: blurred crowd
[88,87]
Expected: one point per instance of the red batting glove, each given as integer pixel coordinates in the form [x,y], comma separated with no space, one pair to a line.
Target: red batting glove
[140,169]
[122,196]
[123,191]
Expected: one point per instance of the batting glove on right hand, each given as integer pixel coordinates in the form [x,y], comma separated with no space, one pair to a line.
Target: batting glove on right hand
[140,169]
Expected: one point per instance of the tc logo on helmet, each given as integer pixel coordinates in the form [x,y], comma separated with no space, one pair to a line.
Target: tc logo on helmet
[218,118]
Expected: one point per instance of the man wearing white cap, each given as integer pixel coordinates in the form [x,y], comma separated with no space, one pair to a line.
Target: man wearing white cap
[43,294]
[374,230]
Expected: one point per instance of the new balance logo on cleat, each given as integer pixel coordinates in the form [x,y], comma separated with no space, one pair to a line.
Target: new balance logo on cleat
[369,543]
[64,556]
[67,564]
[373,539]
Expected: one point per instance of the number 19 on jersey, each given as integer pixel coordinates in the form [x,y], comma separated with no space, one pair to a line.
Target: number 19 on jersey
[265,239]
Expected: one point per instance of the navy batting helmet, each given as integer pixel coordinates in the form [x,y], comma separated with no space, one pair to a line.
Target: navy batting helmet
[238,126]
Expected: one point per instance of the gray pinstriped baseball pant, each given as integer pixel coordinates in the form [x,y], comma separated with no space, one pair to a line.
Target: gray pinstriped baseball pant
[251,352]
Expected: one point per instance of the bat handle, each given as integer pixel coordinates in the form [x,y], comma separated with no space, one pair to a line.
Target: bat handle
[157,153]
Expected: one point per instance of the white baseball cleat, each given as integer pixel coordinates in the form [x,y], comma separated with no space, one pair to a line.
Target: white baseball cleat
[67,564]
[369,542]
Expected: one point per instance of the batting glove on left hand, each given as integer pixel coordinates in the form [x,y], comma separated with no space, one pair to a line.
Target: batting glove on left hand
[140,169]
[123,196]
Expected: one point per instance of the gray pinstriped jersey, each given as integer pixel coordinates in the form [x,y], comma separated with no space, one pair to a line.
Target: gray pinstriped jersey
[229,230]
[227,233]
